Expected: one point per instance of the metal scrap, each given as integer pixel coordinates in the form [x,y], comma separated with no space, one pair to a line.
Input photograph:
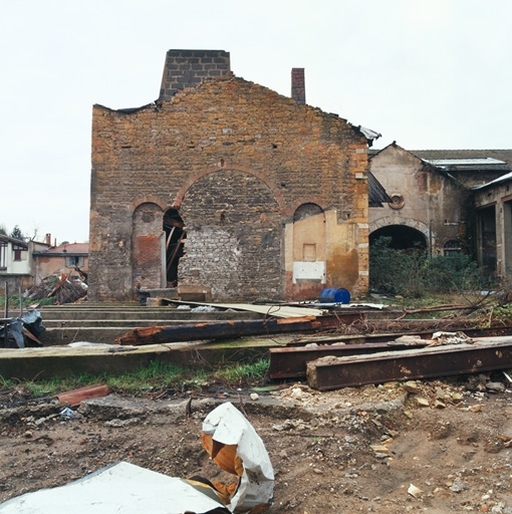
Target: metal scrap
[23,331]
[485,354]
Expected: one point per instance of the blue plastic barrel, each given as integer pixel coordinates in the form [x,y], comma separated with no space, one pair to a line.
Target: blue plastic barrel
[334,295]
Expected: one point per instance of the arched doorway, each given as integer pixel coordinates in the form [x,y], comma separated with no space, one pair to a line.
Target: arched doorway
[402,237]
[175,234]
[233,237]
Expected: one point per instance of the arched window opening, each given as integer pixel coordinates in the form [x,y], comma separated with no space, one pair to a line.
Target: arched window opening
[307,210]
[452,247]
[175,234]
[402,237]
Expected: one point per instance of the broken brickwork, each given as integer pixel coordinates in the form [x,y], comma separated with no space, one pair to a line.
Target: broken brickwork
[233,162]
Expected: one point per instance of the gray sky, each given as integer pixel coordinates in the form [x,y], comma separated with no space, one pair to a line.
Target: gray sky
[430,74]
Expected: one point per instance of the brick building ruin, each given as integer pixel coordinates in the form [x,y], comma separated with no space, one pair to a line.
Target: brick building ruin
[227,187]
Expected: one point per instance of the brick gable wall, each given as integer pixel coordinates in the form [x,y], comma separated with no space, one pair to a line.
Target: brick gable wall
[236,159]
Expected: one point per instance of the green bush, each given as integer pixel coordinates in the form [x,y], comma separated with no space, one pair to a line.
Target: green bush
[413,273]
[454,273]
[394,271]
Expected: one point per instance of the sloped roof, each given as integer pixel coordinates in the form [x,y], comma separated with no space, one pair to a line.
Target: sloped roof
[468,160]
[13,240]
[504,178]
[376,193]
[70,249]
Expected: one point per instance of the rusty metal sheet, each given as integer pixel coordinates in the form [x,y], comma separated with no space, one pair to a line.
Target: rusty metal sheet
[290,362]
[337,372]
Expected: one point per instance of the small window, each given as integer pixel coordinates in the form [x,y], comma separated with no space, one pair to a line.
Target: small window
[17,252]
[74,260]
[3,256]
[452,247]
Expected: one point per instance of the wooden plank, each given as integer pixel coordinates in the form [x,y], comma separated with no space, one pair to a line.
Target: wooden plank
[277,311]
[291,362]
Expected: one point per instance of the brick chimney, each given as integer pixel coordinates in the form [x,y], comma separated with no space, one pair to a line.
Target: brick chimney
[298,85]
[188,68]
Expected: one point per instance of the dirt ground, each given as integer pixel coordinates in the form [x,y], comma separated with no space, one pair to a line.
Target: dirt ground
[423,446]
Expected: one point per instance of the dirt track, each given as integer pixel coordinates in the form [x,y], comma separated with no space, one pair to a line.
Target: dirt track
[354,450]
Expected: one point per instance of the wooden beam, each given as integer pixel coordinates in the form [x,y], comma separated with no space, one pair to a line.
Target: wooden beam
[224,329]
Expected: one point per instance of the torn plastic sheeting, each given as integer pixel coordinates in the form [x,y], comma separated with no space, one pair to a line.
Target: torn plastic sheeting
[230,440]
[234,445]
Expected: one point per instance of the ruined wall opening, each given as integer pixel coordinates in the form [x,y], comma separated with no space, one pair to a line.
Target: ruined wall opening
[452,247]
[402,237]
[486,229]
[175,235]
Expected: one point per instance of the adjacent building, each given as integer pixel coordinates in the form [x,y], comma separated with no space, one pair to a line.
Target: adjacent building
[428,205]
[449,201]
[69,259]
[17,267]
[493,203]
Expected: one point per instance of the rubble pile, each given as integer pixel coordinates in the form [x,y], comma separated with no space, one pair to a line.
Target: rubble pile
[64,289]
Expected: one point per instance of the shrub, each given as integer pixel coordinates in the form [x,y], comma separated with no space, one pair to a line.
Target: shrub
[412,272]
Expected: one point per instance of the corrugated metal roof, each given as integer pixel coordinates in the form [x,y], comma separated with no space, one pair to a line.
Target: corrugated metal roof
[464,162]
[504,178]
[430,155]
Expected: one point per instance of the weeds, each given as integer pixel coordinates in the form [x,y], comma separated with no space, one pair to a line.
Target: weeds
[14,301]
[157,377]
[414,274]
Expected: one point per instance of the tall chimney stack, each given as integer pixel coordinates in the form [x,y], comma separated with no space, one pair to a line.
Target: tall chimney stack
[188,68]
[298,85]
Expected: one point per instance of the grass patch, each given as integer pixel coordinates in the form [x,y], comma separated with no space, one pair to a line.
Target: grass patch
[154,378]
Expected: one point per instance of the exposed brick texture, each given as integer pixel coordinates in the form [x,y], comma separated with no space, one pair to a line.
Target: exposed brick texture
[188,68]
[298,85]
[236,160]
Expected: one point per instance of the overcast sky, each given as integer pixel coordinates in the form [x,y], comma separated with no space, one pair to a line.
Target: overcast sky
[430,74]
